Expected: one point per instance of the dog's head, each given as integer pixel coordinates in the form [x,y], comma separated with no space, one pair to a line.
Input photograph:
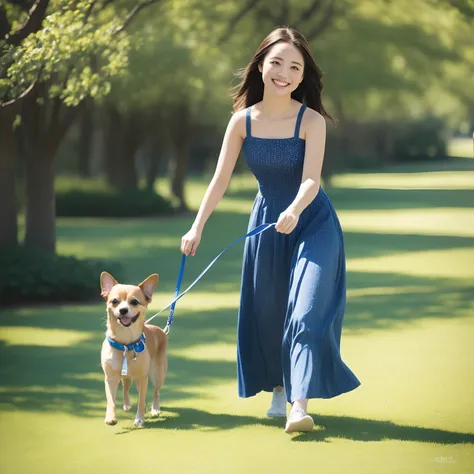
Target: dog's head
[127,304]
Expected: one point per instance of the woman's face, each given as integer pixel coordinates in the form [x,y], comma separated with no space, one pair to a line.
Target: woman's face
[282,69]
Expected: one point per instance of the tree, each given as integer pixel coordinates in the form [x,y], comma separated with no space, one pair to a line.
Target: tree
[172,87]
[62,53]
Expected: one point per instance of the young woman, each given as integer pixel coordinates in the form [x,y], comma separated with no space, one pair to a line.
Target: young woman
[293,279]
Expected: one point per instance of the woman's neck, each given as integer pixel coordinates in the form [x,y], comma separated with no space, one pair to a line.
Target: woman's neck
[275,107]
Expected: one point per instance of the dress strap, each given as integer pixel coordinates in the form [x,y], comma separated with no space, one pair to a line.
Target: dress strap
[298,120]
[248,125]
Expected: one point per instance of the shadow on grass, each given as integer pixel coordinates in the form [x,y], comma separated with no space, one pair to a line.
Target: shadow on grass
[70,380]
[141,258]
[356,429]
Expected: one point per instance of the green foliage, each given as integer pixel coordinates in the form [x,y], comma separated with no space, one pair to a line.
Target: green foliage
[30,275]
[75,53]
[100,200]
[173,63]
[420,140]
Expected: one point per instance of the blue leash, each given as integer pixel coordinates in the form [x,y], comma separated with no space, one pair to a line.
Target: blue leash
[177,295]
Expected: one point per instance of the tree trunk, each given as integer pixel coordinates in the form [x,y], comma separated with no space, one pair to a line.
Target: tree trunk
[181,138]
[155,159]
[40,200]
[127,174]
[157,149]
[121,142]
[112,143]
[43,138]
[180,168]
[8,205]
[85,140]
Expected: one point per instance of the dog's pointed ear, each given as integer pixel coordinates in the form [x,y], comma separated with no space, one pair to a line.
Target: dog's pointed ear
[148,286]
[107,282]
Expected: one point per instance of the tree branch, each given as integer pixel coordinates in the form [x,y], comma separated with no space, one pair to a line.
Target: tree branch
[266,14]
[25,4]
[89,11]
[324,22]
[5,26]
[70,113]
[21,96]
[309,12]
[249,6]
[284,18]
[32,24]
[133,13]
[465,8]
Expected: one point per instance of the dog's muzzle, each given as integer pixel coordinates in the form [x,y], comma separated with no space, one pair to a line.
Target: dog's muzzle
[127,321]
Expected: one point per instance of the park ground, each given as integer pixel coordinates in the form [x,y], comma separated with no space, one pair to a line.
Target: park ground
[408,335]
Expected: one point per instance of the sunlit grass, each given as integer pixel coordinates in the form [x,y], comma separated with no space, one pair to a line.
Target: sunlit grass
[408,334]
[426,180]
[34,336]
[462,147]
[450,263]
[437,221]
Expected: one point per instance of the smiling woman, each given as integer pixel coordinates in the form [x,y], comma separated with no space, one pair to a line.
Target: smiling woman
[293,288]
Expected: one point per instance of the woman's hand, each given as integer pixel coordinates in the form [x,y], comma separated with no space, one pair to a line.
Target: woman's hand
[287,221]
[190,242]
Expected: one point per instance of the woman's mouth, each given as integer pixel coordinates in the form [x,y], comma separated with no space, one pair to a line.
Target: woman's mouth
[280,84]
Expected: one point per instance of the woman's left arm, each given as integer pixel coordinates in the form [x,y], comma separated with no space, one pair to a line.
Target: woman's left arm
[311,179]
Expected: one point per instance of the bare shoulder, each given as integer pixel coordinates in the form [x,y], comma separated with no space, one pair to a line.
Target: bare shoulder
[237,123]
[313,124]
[312,120]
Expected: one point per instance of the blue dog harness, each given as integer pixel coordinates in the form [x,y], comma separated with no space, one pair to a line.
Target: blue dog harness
[137,347]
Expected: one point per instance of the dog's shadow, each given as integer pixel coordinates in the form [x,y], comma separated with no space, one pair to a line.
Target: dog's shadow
[357,429]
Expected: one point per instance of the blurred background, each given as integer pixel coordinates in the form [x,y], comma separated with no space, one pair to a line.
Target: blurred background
[102,99]
[112,114]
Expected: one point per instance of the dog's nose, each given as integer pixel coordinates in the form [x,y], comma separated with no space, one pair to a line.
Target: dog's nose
[123,311]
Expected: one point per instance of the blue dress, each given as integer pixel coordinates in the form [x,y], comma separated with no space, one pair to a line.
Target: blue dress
[293,291]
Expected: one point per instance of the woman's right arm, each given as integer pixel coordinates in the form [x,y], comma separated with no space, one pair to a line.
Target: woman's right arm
[231,146]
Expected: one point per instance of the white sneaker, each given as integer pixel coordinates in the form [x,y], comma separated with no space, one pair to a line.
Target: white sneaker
[278,407]
[299,420]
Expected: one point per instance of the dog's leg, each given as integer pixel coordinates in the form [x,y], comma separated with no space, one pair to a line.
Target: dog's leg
[158,369]
[126,384]
[111,385]
[142,385]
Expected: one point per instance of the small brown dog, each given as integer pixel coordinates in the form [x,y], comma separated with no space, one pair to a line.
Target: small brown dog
[128,337]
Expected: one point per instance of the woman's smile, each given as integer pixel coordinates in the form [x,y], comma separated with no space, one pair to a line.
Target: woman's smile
[280,84]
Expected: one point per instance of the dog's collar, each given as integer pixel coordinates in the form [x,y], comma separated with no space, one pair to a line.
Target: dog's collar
[137,346]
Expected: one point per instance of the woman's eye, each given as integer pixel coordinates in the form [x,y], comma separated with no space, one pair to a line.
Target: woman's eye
[134,302]
[295,68]
[275,62]
[115,301]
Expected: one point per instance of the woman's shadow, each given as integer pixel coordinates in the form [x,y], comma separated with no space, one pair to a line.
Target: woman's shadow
[357,429]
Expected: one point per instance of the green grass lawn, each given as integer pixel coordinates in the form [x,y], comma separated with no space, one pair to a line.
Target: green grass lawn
[408,335]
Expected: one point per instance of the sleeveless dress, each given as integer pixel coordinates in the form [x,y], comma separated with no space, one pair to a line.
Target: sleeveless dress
[293,288]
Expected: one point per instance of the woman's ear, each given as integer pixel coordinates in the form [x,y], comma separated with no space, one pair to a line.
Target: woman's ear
[260,67]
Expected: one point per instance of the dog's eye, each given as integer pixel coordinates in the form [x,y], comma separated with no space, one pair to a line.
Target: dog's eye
[134,302]
[115,301]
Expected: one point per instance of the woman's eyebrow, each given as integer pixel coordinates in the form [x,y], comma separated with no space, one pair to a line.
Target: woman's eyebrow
[295,62]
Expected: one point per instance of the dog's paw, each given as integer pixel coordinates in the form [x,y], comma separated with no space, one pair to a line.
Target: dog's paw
[155,411]
[111,421]
[127,408]
[139,422]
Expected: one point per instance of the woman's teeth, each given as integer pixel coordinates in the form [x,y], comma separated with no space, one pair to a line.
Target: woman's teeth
[280,83]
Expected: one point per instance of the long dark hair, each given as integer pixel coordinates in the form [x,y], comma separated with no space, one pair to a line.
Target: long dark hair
[250,89]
